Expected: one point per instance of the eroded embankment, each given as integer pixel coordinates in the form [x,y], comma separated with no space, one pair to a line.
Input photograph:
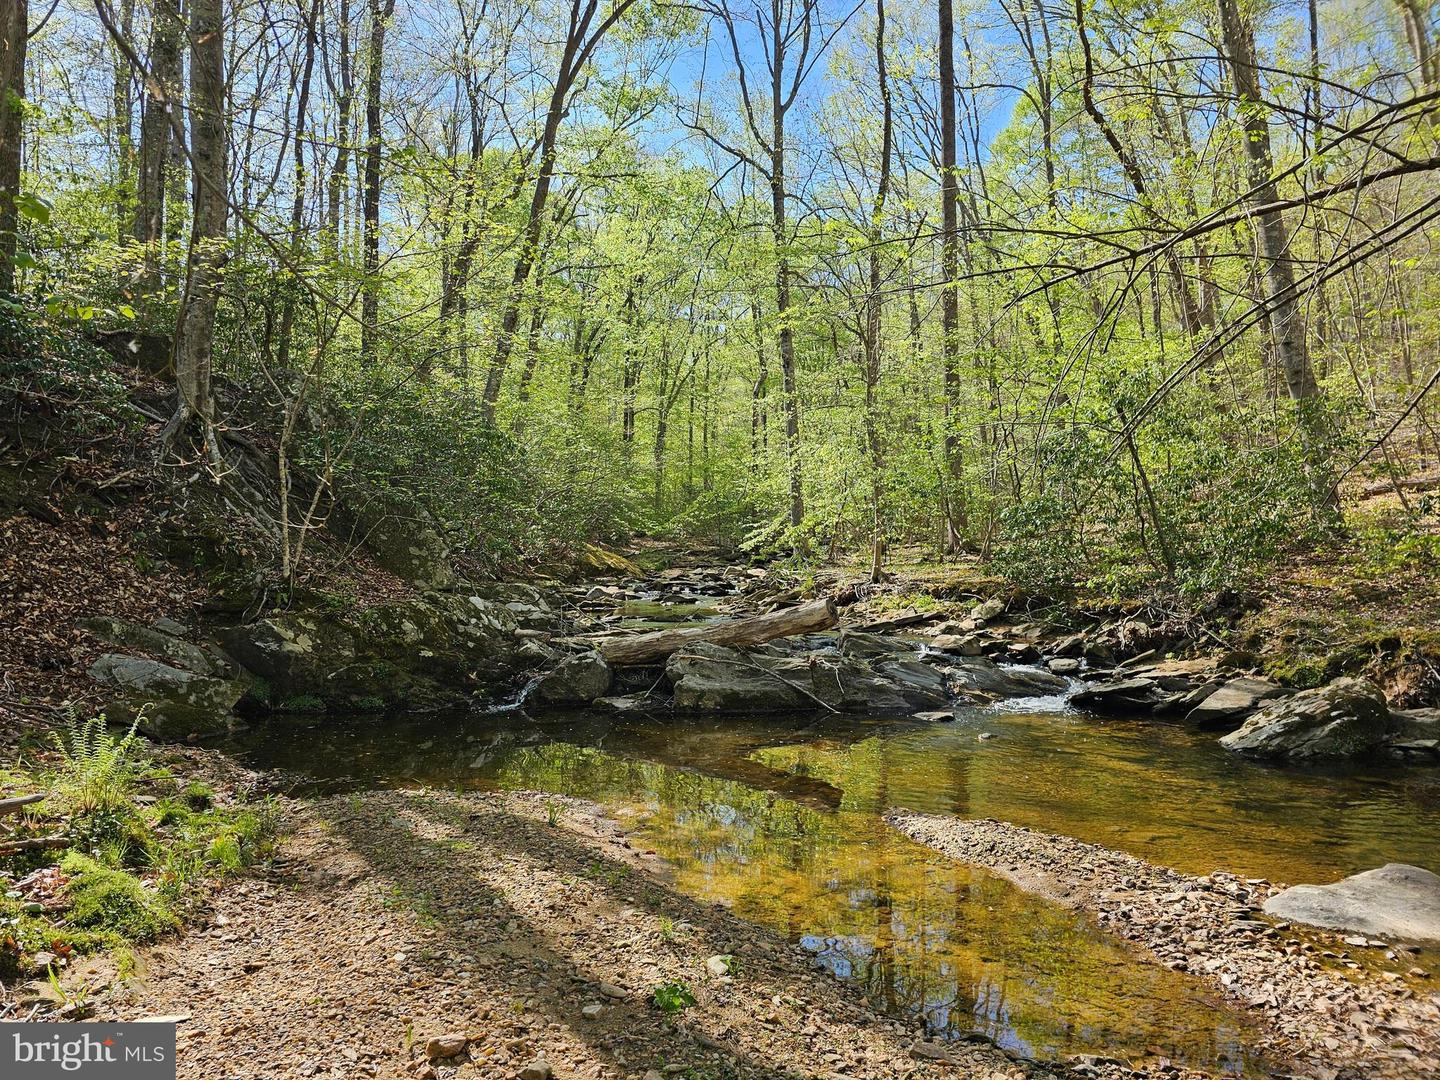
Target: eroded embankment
[1331,1020]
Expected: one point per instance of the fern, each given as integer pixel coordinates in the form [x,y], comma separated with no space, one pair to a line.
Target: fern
[95,768]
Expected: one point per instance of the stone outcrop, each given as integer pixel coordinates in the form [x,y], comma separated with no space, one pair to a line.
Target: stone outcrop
[173,704]
[1348,718]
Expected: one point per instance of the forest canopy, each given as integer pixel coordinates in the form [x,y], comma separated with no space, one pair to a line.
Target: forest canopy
[1109,292]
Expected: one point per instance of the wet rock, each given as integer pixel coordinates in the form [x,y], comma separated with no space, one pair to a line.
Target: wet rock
[1396,900]
[1119,696]
[1347,718]
[714,678]
[1233,701]
[1064,665]
[575,680]
[958,644]
[627,703]
[445,1046]
[869,646]
[1406,724]
[986,678]
[176,704]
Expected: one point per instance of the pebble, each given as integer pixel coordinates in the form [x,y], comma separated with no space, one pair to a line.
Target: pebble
[445,1046]
[591,1012]
[539,1069]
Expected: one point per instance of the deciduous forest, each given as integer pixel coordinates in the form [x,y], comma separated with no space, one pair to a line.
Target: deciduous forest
[723,538]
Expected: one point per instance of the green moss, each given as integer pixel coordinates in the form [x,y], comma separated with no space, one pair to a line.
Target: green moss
[112,901]
[302,703]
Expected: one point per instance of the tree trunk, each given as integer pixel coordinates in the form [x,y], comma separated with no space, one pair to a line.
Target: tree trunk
[161,94]
[1287,326]
[124,109]
[344,99]
[195,330]
[297,205]
[950,270]
[14,26]
[380,14]
[778,107]
[648,648]
[873,309]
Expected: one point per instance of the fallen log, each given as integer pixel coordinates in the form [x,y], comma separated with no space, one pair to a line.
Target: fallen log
[35,843]
[17,803]
[622,650]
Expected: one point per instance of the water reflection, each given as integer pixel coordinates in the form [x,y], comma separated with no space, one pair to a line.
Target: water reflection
[922,935]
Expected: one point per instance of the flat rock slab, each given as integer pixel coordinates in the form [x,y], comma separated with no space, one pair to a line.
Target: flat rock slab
[1395,901]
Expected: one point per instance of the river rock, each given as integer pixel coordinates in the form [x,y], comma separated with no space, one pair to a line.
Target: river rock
[1394,901]
[1064,665]
[445,1046]
[715,678]
[1233,701]
[1421,724]
[1347,718]
[1119,696]
[959,644]
[576,679]
[176,703]
[986,679]
[868,646]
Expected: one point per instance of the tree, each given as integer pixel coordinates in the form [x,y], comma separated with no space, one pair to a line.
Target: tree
[1287,325]
[195,329]
[954,505]
[381,12]
[582,37]
[158,114]
[14,30]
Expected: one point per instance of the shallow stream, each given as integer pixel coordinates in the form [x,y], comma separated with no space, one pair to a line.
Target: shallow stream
[780,819]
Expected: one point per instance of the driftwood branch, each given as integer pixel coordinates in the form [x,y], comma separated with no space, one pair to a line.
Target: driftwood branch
[16,803]
[34,843]
[622,650]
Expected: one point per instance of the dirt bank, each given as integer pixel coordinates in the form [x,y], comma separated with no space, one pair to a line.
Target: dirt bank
[397,917]
[1334,1020]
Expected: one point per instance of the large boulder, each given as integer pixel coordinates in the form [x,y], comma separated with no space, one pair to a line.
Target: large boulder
[150,639]
[714,678]
[429,652]
[173,704]
[1347,718]
[1229,704]
[1394,901]
[575,680]
[984,678]
[1120,697]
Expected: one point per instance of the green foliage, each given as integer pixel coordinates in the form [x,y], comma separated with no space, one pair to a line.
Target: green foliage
[97,768]
[54,364]
[673,998]
[110,900]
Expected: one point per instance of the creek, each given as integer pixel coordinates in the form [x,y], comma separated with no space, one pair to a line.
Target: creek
[780,819]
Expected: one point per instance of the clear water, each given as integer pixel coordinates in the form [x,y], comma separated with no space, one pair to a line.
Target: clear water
[780,819]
